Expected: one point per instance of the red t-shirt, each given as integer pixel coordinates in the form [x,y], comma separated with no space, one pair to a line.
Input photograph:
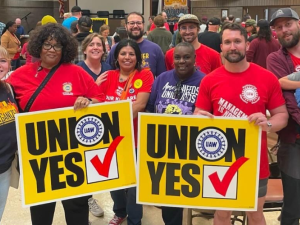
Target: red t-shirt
[25,52]
[296,62]
[67,83]
[217,95]
[207,59]
[112,88]
[165,24]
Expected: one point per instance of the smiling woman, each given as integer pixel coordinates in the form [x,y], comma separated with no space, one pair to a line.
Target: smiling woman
[55,83]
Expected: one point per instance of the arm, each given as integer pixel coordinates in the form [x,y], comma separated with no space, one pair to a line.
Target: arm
[201,112]
[140,104]
[251,51]
[160,62]
[290,82]
[5,42]
[279,119]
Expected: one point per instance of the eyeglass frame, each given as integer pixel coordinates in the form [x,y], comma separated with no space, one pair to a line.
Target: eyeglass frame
[132,23]
[52,46]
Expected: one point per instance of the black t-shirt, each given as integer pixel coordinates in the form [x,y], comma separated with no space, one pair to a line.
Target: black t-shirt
[8,143]
[210,39]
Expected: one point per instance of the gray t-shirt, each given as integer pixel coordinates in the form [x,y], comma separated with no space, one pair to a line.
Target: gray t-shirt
[294,76]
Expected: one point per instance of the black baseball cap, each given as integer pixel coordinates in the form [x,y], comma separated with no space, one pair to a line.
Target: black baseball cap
[85,21]
[263,23]
[214,21]
[76,9]
[283,13]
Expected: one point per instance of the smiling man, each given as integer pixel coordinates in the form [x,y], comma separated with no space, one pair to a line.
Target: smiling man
[286,61]
[255,91]
[207,59]
[152,54]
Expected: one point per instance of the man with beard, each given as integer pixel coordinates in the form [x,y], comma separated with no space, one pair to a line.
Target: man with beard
[241,89]
[152,54]
[286,61]
[207,59]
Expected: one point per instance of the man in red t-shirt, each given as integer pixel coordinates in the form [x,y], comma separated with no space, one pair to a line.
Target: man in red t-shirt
[207,59]
[240,89]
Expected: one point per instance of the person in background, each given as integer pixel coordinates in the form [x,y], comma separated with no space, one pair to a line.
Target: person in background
[152,55]
[262,45]
[231,19]
[2,26]
[245,18]
[25,54]
[8,143]
[76,14]
[56,48]
[251,29]
[128,81]
[67,15]
[160,35]
[238,20]
[226,86]
[12,44]
[203,24]
[20,29]
[109,42]
[211,38]
[74,29]
[185,76]
[166,25]
[151,21]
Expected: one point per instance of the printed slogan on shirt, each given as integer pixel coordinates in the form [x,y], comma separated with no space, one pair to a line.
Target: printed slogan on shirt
[188,161]
[66,153]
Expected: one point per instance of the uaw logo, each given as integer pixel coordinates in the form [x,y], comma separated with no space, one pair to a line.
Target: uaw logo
[211,144]
[297,68]
[67,88]
[89,130]
[249,94]
[279,12]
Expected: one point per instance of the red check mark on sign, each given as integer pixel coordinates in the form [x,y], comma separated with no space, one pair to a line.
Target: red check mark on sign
[221,187]
[103,168]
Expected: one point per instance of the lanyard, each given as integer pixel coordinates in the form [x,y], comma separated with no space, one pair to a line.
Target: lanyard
[127,85]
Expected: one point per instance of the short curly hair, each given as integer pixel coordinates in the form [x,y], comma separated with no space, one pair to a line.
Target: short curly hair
[60,35]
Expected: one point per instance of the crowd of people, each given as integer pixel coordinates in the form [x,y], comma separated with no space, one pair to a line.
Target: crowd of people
[219,59]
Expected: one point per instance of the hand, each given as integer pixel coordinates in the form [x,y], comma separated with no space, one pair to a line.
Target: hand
[101,78]
[200,112]
[81,102]
[260,120]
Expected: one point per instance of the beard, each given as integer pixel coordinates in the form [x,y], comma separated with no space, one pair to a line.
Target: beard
[234,60]
[292,43]
[135,37]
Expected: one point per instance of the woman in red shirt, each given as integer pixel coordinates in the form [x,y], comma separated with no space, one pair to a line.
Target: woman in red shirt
[128,81]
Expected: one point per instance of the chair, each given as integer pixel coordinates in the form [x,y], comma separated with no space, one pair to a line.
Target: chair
[86,12]
[118,13]
[103,14]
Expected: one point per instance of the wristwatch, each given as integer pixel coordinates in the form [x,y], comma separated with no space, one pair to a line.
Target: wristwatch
[269,124]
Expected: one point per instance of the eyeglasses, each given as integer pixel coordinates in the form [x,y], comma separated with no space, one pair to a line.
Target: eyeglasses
[185,28]
[48,46]
[132,23]
[177,91]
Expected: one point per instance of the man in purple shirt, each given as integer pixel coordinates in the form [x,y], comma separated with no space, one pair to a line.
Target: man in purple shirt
[152,54]
[284,62]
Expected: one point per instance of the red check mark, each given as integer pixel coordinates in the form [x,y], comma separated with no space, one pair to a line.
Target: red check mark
[103,168]
[221,187]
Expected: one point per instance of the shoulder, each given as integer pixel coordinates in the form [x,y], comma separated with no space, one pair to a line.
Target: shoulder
[148,44]
[170,52]
[164,75]
[207,50]
[145,73]
[260,71]
[106,66]
[81,64]
[275,55]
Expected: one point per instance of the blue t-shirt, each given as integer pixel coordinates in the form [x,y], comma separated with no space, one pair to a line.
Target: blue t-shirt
[20,30]
[152,57]
[67,22]
[166,98]
[104,67]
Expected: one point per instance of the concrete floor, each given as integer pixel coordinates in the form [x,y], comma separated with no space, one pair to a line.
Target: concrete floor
[14,214]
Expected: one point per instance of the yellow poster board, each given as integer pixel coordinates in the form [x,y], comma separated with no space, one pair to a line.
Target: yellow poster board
[173,3]
[196,162]
[66,153]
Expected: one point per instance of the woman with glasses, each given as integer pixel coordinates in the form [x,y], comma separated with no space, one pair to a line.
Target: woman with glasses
[175,92]
[8,143]
[131,82]
[68,85]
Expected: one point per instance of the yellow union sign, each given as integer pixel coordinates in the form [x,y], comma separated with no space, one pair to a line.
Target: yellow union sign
[194,162]
[66,153]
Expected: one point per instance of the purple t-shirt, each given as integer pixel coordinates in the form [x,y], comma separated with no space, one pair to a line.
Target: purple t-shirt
[171,97]
[152,57]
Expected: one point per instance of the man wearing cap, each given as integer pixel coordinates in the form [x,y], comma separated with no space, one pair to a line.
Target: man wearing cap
[160,35]
[207,59]
[203,24]
[262,45]
[211,38]
[76,14]
[152,54]
[285,64]
[166,25]
[251,29]
[84,26]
